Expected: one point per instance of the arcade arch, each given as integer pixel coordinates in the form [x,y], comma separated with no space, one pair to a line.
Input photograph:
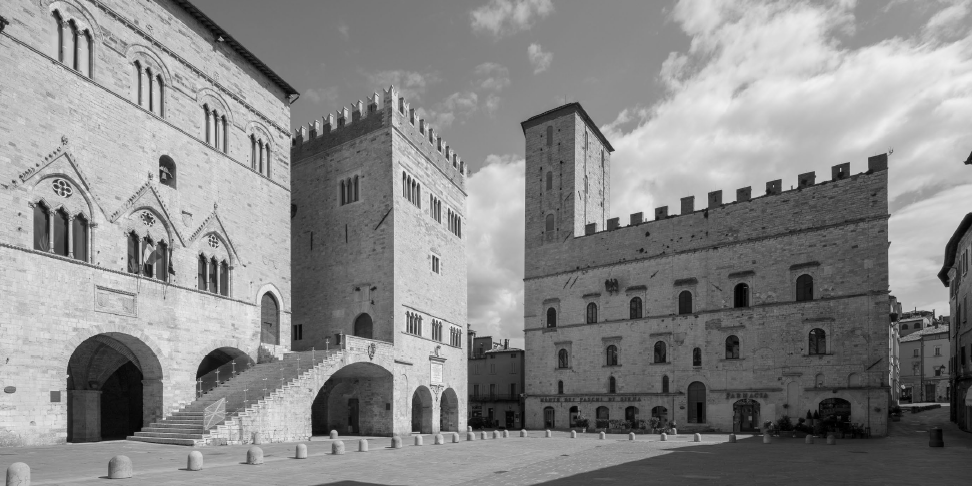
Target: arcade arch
[356,400]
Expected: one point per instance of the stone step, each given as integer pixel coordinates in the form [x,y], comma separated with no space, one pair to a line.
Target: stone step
[174,430]
[172,441]
[165,435]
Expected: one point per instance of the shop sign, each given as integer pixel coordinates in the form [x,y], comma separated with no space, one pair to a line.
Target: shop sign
[590,399]
[747,395]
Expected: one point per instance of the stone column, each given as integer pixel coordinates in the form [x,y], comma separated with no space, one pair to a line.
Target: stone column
[70,236]
[91,229]
[50,230]
[217,131]
[152,406]
[85,410]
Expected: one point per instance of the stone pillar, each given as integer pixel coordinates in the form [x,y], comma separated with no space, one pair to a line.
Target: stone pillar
[85,407]
[151,401]
[50,230]
[70,236]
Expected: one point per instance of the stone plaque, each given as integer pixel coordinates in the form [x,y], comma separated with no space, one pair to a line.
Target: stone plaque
[113,301]
[436,372]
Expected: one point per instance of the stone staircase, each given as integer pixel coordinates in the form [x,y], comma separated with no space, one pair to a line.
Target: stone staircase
[242,393]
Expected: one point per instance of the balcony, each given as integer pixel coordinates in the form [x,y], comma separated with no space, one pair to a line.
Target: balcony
[495,397]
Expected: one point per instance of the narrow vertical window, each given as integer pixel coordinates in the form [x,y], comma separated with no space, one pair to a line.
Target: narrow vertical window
[741,295]
[133,244]
[685,302]
[60,232]
[549,135]
[42,226]
[208,123]
[696,357]
[137,82]
[60,36]
[269,160]
[161,86]
[355,186]
[804,288]
[151,90]
[591,313]
[344,193]
[79,233]
[201,273]
[225,140]
[213,275]
[549,180]
[74,44]
[732,347]
[162,262]
[147,257]
[253,152]
[635,310]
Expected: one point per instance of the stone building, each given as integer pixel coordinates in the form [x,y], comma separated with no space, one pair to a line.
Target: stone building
[915,320]
[894,351]
[378,221]
[925,364]
[495,382]
[145,201]
[719,318]
[954,275]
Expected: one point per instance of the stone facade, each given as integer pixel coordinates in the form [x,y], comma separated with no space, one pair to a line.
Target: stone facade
[593,288]
[379,209]
[84,145]
[925,364]
[954,275]
[495,382]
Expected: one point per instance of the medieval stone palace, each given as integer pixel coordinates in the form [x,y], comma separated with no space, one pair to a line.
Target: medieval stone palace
[148,211]
[718,318]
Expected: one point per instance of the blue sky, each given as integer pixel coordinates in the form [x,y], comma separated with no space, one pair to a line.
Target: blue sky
[695,97]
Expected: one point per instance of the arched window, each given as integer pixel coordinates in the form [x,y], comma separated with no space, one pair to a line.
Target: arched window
[354,193]
[549,180]
[562,359]
[160,260]
[696,403]
[207,125]
[602,413]
[364,327]
[201,273]
[224,278]
[741,295]
[904,327]
[74,45]
[147,257]
[591,313]
[224,143]
[661,355]
[804,288]
[665,384]
[560,387]
[213,275]
[134,262]
[817,342]
[634,308]
[612,355]
[79,233]
[160,106]
[685,302]
[696,357]
[612,385]
[60,224]
[732,347]
[42,228]
[631,416]
[269,319]
[551,317]
[549,222]
[137,79]
[167,171]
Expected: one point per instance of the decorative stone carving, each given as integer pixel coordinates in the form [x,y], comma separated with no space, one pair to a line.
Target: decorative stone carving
[62,188]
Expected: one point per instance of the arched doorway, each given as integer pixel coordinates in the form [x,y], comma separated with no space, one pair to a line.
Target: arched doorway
[363,326]
[422,410]
[696,403]
[631,416]
[548,418]
[220,365]
[835,407]
[745,415]
[269,319]
[356,400]
[661,413]
[114,388]
[449,411]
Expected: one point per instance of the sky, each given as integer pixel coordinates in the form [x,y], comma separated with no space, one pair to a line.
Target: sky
[694,96]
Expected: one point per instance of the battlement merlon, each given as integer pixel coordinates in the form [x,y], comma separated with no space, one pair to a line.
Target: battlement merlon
[562,110]
[374,113]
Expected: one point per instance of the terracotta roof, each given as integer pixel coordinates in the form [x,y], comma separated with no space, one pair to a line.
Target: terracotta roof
[924,332]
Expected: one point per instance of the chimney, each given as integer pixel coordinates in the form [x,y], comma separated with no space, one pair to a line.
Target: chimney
[506,344]
[471,337]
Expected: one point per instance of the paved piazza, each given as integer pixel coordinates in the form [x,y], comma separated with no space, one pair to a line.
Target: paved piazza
[536,460]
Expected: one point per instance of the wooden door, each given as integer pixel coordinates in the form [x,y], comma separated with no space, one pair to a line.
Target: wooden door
[353,415]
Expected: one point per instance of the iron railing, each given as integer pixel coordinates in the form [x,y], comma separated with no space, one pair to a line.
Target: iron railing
[221,375]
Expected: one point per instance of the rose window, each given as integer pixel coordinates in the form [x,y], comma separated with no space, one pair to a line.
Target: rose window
[147,218]
[62,188]
[213,241]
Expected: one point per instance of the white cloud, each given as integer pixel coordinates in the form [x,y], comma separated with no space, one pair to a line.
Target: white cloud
[507,17]
[539,59]
[410,84]
[323,96]
[344,30]
[492,76]
[495,274]
[767,91]
[459,105]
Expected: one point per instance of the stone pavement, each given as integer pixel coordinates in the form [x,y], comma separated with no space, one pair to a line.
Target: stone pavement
[902,458]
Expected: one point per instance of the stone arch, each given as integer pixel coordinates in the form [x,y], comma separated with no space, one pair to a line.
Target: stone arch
[355,400]
[218,357]
[139,52]
[133,224]
[449,411]
[422,410]
[224,250]
[70,205]
[111,374]
[269,287]
[363,326]
[214,99]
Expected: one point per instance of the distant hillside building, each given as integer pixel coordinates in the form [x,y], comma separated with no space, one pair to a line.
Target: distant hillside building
[955,275]
[729,314]
[495,382]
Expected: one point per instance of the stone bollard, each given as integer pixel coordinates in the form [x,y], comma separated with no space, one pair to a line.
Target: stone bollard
[18,474]
[664,437]
[548,434]
[119,467]
[257,438]
[455,437]
[483,436]
[935,437]
[362,445]
[438,440]
[337,447]
[396,442]
[674,431]
[469,428]
[573,434]
[808,440]
[767,439]
[506,433]
[418,440]
[254,455]
[732,438]
[831,439]
[195,461]
[301,452]
[523,433]
[334,434]
[631,436]
[601,435]
[496,434]
[470,436]
[697,438]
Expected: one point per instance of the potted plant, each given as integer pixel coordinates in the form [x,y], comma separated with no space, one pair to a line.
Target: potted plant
[895,412]
[582,422]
